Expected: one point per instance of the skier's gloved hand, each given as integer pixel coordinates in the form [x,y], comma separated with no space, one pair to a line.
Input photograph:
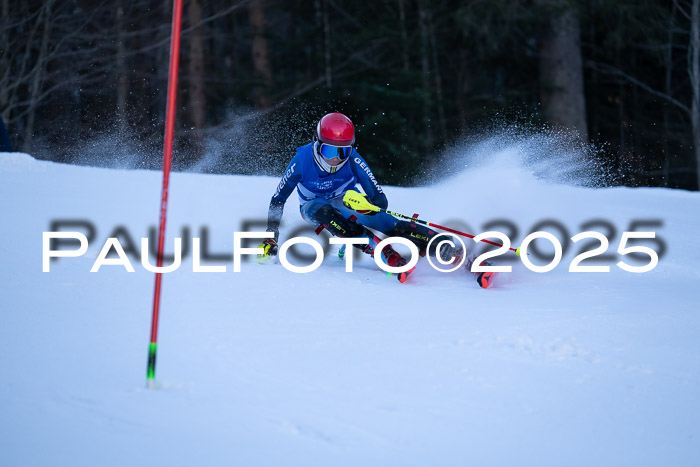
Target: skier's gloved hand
[366,212]
[269,245]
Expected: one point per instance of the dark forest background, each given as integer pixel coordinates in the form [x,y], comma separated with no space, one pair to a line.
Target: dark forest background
[82,77]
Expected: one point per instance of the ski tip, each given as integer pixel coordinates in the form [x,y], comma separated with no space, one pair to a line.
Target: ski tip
[485,279]
[403,276]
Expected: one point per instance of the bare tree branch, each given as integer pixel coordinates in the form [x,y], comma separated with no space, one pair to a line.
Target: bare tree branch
[614,71]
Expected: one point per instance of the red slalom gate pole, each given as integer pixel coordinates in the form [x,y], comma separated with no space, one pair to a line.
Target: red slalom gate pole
[167,158]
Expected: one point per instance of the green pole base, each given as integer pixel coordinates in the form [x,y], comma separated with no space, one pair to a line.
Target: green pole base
[151,372]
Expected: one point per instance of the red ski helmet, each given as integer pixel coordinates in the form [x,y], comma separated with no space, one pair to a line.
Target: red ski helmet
[336,129]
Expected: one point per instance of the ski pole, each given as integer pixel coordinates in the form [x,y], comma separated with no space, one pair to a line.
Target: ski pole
[358,202]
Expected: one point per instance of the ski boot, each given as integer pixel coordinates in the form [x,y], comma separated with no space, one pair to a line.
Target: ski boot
[451,254]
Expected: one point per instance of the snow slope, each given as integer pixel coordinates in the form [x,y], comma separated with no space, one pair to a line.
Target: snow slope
[266,367]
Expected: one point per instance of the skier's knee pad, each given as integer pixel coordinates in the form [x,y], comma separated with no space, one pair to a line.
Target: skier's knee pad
[418,234]
[331,219]
[421,236]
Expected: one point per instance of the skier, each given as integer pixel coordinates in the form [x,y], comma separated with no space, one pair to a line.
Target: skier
[322,171]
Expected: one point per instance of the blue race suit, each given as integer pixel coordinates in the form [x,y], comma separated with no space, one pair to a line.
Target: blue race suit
[321,193]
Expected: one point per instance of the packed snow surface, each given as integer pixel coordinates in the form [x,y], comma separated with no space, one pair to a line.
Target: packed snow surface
[266,367]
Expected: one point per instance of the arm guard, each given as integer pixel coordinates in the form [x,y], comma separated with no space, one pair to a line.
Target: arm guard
[274,216]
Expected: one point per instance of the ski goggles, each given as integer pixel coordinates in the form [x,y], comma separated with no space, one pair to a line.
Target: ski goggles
[329,152]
